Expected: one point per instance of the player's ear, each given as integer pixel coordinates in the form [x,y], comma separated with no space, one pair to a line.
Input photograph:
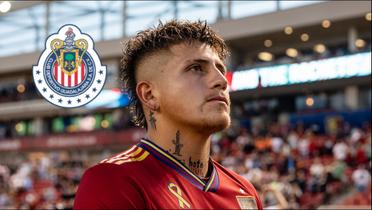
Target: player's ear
[145,93]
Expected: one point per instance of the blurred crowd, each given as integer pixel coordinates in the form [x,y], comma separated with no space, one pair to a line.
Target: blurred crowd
[291,167]
[294,167]
[41,180]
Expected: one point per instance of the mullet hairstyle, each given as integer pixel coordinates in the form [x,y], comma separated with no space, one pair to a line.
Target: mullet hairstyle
[159,38]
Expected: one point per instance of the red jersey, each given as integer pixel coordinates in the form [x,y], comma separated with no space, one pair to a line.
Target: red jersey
[148,177]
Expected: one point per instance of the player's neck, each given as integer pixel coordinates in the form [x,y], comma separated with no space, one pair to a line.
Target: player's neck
[188,146]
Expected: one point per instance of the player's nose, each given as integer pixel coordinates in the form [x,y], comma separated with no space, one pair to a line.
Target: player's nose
[217,79]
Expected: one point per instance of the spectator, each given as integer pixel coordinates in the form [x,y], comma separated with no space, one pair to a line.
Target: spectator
[337,170]
[303,147]
[317,172]
[340,150]
[293,139]
[276,144]
[361,178]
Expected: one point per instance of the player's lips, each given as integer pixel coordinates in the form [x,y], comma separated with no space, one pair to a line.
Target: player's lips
[218,99]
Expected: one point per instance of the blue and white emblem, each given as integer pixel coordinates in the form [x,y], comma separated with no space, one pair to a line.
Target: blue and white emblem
[69,72]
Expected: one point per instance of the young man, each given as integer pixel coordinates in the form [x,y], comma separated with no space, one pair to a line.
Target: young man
[175,74]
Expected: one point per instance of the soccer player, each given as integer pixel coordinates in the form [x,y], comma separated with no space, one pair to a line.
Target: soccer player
[176,77]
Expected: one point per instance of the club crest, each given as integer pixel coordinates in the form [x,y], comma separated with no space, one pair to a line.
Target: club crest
[69,72]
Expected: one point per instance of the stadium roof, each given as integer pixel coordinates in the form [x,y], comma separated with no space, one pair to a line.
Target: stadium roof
[28,23]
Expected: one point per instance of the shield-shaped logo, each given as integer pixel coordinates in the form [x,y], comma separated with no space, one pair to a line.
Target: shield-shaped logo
[69,72]
[69,60]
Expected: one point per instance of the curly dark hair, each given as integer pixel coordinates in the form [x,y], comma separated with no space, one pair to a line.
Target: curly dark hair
[159,38]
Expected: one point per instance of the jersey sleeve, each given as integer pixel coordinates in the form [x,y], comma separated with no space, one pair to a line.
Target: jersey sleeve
[103,187]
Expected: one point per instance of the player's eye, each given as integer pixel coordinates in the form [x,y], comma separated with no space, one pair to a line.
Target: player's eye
[221,68]
[196,68]
[223,72]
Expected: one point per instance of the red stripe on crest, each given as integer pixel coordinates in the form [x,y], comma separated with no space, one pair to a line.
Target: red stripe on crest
[56,71]
[82,71]
[76,77]
[69,80]
[62,78]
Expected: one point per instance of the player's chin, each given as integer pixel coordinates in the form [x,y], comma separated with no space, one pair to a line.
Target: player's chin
[218,122]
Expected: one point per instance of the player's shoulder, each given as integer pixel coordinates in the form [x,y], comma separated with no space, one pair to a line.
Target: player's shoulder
[132,155]
[103,184]
[121,163]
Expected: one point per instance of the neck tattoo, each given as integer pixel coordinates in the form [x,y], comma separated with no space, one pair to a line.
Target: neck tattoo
[152,120]
[178,145]
[196,166]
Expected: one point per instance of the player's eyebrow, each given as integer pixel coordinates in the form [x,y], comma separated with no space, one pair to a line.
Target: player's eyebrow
[220,66]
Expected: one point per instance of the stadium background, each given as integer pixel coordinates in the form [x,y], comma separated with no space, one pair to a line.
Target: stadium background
[299,75]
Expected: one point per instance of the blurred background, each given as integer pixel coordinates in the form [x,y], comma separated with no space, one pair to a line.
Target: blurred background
[300,82]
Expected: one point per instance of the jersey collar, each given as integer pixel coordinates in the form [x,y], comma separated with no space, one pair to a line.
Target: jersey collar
[168,159]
